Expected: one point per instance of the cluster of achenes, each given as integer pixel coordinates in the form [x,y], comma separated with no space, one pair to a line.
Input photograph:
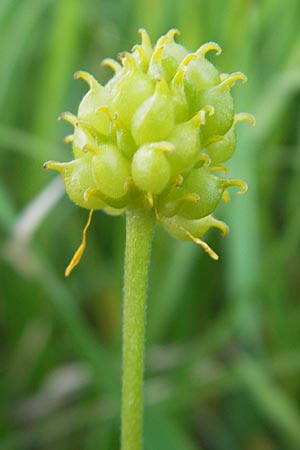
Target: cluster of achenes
[155,136]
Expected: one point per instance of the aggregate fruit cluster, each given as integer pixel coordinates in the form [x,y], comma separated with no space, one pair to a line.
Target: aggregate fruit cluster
[156,135]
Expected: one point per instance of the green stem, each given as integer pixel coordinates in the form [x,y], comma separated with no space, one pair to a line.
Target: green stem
[139,225]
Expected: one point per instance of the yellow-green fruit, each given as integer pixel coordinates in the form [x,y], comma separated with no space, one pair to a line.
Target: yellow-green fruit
[167,56]
[78,181]
[186,140]
[142,53]
[110,170]
[221,148]
[202,74]
[150,168]
[209,188]
[220,98]
[173,55]
[179,99]
[124,138]
[81,138]
[154,119]
[199,73]
[131,90]
[178,227]
[90,106]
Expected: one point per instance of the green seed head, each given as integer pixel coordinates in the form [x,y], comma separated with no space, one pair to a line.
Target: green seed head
[154,137]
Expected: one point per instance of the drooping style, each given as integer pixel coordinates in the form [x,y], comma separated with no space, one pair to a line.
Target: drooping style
[156,136]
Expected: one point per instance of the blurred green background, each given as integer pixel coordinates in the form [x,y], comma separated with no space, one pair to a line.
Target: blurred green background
[223,339]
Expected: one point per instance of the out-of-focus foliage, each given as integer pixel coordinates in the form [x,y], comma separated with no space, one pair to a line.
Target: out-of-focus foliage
[223,346]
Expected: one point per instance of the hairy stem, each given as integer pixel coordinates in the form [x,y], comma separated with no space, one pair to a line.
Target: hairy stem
[139,225]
